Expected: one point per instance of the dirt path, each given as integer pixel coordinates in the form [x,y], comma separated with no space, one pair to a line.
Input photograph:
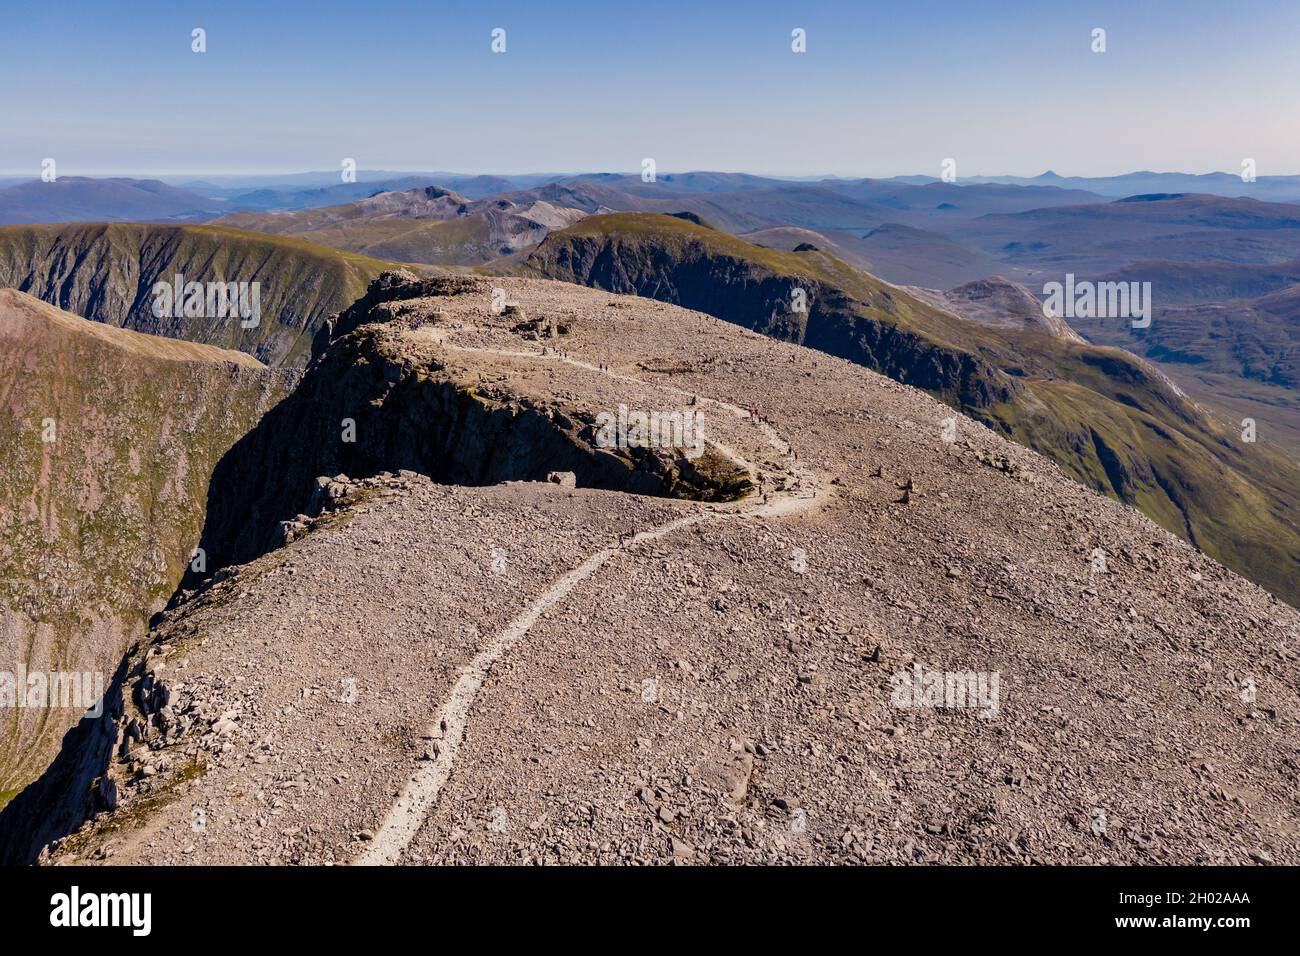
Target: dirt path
[421,793]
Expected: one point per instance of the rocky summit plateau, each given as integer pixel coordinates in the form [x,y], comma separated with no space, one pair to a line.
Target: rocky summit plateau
[526,572]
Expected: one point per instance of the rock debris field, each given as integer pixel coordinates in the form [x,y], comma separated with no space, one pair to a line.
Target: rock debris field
[538,671]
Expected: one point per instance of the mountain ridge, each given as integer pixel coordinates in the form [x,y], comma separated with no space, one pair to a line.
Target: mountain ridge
[763,634]
[1112,419]
[107,272]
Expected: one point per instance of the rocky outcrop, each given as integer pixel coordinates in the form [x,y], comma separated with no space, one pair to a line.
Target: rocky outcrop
[368,405]
[1000,303]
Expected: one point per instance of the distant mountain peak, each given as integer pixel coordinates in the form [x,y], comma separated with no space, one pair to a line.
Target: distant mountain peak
[440,192]
[691,217]
[1153,197]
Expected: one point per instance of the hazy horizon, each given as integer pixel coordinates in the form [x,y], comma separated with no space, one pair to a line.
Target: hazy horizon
[385,172]
[1006,89]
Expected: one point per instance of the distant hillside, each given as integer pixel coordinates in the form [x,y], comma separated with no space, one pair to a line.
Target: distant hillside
[294,198]
[1108,417]
[1100,237]
[1192,283]
[1240,356]
[291,198]
[841,245]
[902,255]
[603,194]
[1000,303]
[107,273]
[741,203]
[81,199]
[429,225]
[1256,339]
[107,441]
[1269,188]
[925,204]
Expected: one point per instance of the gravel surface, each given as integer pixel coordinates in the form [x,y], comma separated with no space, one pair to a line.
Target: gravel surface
[736,688]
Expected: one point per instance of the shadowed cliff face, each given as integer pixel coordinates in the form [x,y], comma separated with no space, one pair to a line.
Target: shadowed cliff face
[732,289]
[71,789]
[107,272]
[366,405]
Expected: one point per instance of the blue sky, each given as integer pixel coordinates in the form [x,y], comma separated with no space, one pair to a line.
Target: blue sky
[885,88]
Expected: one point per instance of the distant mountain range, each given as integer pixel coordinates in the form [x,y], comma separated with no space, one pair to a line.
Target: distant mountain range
[900,254]
[1270,188]
[884,224]
[288,199]
[1102,236]
[325,187]
[321,178]
[78,199]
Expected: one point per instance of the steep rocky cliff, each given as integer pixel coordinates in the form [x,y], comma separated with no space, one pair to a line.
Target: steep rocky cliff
[107,440]
[369,404]
[107,272]
[689,264]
